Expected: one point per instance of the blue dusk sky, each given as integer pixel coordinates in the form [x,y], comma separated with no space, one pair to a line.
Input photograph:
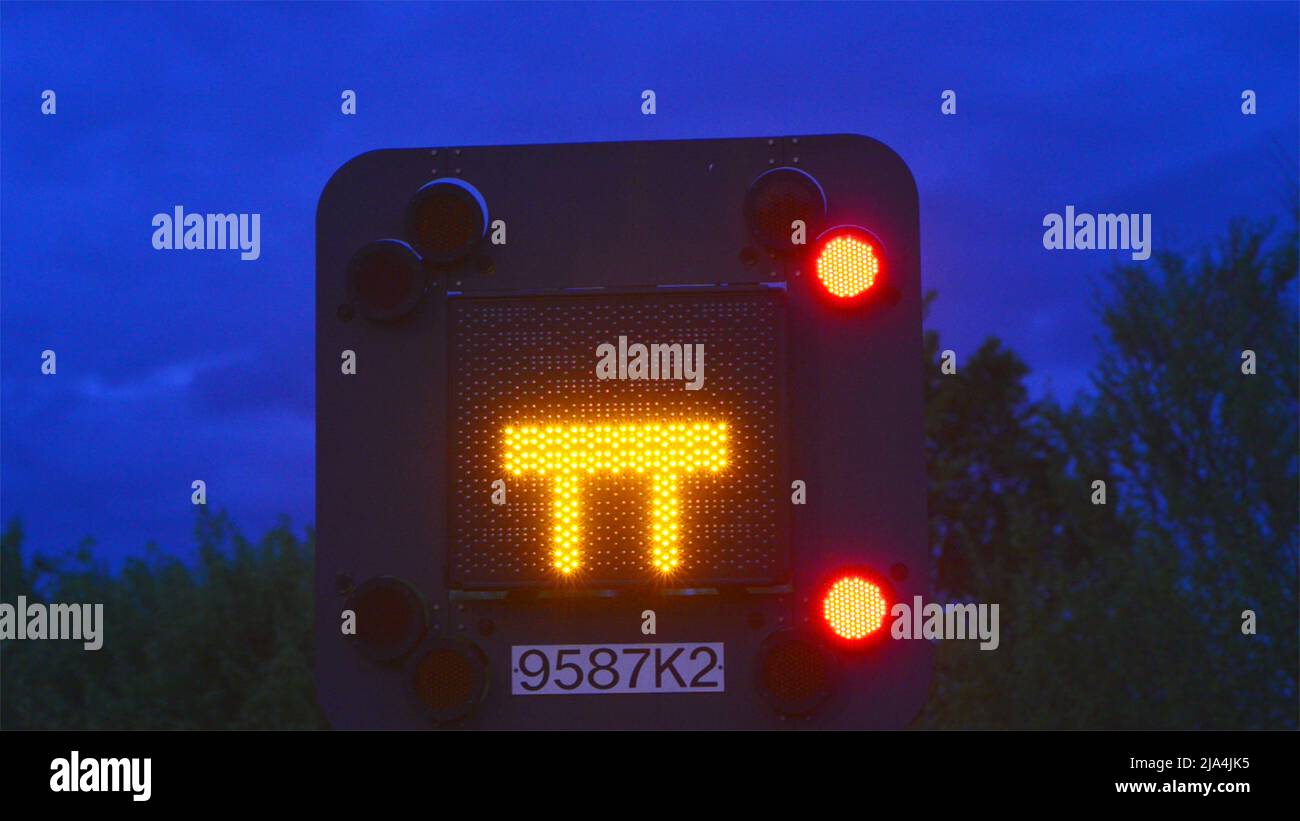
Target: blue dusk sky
[173,366]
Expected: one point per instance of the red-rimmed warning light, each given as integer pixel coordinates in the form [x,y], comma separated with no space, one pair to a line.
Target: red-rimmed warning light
[855,606]
[849,261]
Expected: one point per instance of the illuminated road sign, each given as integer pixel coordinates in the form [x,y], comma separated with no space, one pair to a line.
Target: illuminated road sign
[636,427]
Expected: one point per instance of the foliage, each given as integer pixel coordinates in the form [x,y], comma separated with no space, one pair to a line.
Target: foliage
[1128,615]
[223,644]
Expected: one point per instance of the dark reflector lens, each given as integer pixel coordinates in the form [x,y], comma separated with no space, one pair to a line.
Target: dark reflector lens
[779,197]
[390,618]
[446,219]
[386,280]
[450,679]
[794,672]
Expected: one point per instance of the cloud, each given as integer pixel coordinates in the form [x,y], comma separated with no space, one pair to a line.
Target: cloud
[258,385]
[159,383]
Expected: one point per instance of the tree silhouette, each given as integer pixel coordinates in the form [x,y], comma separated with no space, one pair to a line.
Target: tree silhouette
[1128,615]
[225,644]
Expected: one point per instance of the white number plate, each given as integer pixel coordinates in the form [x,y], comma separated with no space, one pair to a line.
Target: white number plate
[564,669]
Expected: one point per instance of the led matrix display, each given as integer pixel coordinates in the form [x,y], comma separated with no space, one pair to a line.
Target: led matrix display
[568,452]
[640,477]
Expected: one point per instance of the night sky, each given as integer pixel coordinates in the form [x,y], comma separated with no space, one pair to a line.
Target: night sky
[176,366]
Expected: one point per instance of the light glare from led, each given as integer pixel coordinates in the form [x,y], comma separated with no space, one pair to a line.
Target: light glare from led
[847,265]
[854,607]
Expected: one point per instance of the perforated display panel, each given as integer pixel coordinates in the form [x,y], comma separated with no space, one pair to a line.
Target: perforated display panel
[665,485]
